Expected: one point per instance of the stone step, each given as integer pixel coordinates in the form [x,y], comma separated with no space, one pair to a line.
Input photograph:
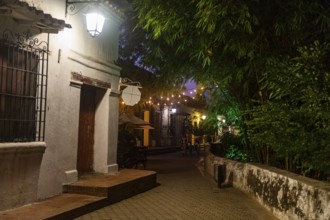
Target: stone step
[124,184]
[86,195]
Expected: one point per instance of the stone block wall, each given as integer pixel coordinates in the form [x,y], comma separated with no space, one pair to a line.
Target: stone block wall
[287,195]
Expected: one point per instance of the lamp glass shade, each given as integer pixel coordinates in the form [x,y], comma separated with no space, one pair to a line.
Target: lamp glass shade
[94,23]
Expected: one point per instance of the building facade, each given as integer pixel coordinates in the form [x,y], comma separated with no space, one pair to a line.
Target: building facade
[59,89]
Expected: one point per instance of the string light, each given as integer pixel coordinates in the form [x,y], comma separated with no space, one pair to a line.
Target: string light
[176,99]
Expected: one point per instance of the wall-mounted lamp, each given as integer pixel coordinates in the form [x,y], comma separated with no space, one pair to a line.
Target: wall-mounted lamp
[94,18]
[94,23]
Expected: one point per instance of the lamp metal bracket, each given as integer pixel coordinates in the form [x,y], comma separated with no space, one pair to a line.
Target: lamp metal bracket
[72,8]
[129,82]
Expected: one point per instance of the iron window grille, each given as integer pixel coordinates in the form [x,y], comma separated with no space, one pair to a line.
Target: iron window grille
[23,87]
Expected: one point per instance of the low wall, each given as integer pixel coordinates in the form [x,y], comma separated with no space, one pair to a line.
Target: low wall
[287,195]
[19,173]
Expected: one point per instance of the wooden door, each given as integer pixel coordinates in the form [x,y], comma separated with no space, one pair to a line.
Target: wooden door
[85,158]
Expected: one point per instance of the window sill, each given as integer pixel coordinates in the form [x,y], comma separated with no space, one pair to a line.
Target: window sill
[22,148]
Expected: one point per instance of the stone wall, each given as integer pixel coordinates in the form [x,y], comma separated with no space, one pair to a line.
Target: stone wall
[19,173]
[286,195]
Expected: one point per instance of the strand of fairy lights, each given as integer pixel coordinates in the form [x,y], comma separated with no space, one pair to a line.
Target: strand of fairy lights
[175,99]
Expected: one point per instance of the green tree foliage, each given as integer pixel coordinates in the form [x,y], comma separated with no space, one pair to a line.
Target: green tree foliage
[271,59]
[138,60]
[295,121]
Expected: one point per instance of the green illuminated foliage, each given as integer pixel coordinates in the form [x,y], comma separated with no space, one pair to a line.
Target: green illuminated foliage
[265,63]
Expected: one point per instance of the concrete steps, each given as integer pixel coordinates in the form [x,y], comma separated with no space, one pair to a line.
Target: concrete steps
[87,195]
[126,183]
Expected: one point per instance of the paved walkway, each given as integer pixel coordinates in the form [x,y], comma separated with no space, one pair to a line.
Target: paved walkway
[183,193]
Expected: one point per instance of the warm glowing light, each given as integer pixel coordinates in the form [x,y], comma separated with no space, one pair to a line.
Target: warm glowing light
[94,23]
[203,117]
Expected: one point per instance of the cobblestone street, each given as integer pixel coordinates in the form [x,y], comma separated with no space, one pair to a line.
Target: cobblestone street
[184,192]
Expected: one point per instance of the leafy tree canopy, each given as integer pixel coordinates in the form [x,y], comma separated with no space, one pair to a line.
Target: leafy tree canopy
[268,60]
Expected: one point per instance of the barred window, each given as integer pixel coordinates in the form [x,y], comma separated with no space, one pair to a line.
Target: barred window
[22,93]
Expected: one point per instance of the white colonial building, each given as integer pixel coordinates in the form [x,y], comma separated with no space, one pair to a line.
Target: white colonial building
[59,89]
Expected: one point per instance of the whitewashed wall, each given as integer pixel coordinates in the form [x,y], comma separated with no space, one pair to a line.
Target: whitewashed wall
[39,172]
[74,50]
[19,173]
